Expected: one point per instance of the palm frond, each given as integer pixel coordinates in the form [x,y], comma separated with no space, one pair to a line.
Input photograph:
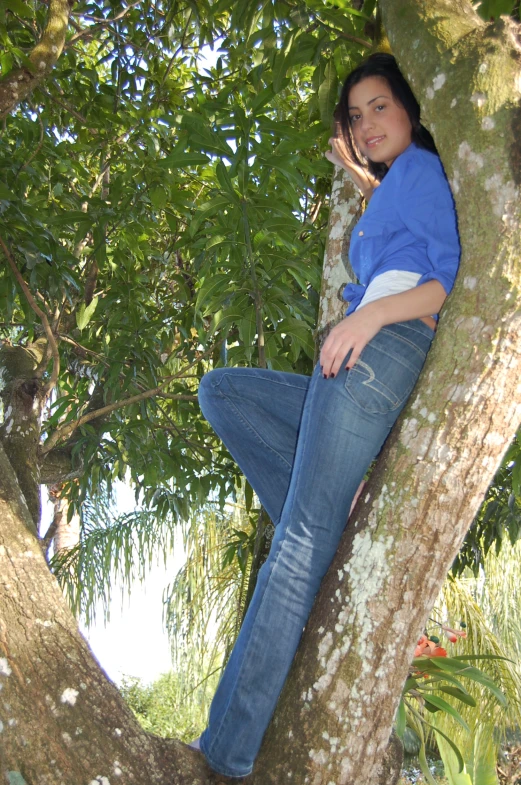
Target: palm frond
[205,603]
[111,546]
[491,609]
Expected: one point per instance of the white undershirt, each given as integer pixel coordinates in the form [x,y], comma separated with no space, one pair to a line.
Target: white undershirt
[391,282]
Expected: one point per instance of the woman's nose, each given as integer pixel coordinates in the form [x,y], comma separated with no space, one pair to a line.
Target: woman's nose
[366,123]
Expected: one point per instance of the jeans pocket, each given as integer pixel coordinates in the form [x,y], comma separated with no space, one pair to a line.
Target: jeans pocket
[384,375]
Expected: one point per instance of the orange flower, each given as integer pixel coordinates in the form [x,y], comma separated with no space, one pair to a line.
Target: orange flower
[453,635]
[428,648]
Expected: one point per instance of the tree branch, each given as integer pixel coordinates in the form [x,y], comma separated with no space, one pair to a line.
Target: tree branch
[36,150]
[71,111]
[43,317]
[67,430]
[20,82]
[100,24]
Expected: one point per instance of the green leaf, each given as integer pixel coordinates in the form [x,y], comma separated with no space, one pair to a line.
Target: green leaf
[328,94]
[248,495]
[211,286]
[345,5]
[425,766]
[85,312]
[19,8]
[401,719]
[410,684]
[440,676]
[439,703]
[461,695]
[158,197]
[516,477]
[455,666]
[206,211]
[453,746]
[225,181]
[492,9]
[300,332]
[248,327]
[5,194]
[182,160]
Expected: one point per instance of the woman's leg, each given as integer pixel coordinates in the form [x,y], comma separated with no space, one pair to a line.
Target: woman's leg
[257,415]
[344,424]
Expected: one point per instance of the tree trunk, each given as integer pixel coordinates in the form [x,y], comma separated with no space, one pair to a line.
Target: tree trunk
[344,211]
[335,715]
[62,721]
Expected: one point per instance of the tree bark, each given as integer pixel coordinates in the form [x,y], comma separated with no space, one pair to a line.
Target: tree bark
[344,211]
[335,715]
[22,396]
[20,82]
[62,721]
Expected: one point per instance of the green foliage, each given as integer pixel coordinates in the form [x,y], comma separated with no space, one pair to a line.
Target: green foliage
[498,521]
[421,698]
[205,603]
[484,702]
[112,546]
[165,709]
[168,215]
[492,9]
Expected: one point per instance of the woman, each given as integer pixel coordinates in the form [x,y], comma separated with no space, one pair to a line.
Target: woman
[305,443]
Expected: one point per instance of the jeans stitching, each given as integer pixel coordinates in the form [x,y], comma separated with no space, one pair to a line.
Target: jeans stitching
[264,378]
[405,340]
[392,400]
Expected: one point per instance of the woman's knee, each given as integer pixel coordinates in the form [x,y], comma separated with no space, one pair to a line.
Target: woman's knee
[207,391]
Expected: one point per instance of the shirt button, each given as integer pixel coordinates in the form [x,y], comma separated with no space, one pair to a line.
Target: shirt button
[360,233]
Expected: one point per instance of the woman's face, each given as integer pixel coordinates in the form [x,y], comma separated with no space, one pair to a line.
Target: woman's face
[381,127]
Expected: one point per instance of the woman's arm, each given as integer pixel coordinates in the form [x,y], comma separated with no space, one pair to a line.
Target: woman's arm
[357,329]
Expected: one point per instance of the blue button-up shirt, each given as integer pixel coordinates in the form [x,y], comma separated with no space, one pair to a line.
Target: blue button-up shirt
[409,224]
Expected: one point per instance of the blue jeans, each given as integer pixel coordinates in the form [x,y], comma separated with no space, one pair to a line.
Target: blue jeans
[304,444]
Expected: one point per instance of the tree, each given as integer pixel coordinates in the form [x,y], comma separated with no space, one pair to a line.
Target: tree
[82,731]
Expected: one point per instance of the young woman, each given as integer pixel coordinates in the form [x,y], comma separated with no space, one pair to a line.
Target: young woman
[305,443]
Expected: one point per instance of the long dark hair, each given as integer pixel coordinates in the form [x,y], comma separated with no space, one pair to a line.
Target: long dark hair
[384,66]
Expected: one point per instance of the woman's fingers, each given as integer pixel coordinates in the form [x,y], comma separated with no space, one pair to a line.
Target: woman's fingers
[353,357]
[333,354]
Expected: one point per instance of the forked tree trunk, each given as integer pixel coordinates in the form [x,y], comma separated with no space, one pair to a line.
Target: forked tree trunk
[61,721]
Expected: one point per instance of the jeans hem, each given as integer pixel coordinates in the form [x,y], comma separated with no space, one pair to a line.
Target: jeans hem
[225,772]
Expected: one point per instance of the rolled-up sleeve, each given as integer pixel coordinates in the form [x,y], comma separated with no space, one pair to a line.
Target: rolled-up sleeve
[426,207]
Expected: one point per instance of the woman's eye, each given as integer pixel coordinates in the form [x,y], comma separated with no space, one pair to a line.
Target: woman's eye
[354,118]
[379,107]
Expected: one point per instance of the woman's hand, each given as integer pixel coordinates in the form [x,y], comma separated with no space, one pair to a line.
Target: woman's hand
[352,333]
[340,156]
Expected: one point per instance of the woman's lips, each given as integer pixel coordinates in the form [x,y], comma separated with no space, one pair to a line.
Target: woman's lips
[374,140]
